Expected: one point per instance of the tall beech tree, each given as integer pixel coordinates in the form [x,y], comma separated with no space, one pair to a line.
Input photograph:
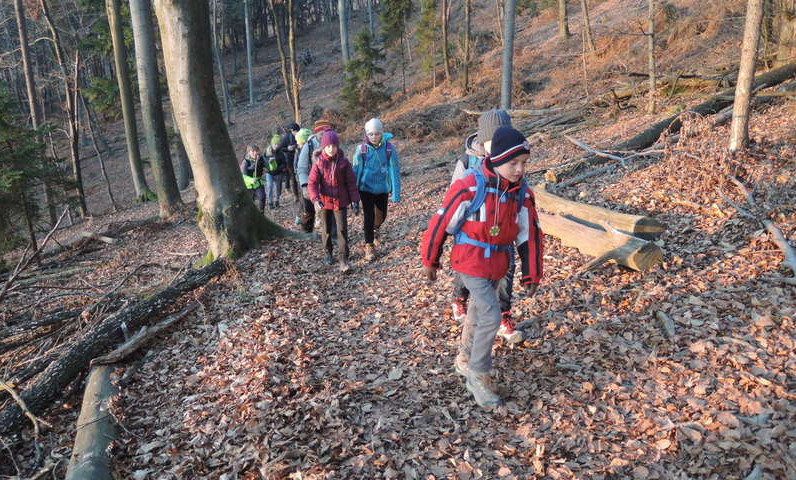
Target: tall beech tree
[342,14]
[152,108]
[508,54]
[294,75]
[227,216]
[563,20]
[142,190]
[739,130]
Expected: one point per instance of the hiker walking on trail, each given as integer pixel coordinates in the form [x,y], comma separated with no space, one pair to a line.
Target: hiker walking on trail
[486,212]
[378,174]
[274,171]
[252,167]
[332,188]
[303,167]
[287,148]
[476,147]
[301,139]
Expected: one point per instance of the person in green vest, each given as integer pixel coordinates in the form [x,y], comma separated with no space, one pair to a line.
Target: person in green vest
[252,167]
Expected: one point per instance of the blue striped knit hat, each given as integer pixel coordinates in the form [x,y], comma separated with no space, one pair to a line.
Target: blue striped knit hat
[507,143]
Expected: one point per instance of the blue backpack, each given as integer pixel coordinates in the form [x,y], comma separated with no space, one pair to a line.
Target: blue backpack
[481,189]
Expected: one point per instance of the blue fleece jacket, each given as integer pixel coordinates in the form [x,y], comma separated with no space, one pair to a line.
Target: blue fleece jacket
[375,174]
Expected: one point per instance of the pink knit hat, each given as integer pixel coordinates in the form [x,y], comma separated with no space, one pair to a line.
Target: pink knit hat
[329,137]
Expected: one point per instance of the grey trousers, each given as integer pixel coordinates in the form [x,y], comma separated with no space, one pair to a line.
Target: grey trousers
[482,322]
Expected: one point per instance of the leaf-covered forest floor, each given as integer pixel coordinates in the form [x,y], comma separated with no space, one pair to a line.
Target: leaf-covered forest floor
[292,370]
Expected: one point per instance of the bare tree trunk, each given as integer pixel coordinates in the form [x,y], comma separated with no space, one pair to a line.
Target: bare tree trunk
[157,140]
[371,23]
[563,24]
[342,14]
[227,216]
[508,53]
[281,49]
[71,108]
[99,155]
[785,24]
[651,54]
[125,93]
[739,131]
[294,75]
[499,19]
[466,76]
[249,41]
[220,63]
[30,84]
[445,56]
[584,4]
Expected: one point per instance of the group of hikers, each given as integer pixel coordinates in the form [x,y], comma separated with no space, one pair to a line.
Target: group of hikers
[488,210]
[325,184]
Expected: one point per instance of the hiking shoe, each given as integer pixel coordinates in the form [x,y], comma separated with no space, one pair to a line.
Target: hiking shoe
[462,365]
[376,238]
[370,253]
[480,385]
[507,330]
[459,307]
[344,266]
[329,260]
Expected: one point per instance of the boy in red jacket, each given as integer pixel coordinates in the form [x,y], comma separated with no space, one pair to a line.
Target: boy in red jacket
[481,250]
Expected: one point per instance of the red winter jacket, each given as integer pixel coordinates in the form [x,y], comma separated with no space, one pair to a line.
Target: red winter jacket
[332,181]
[521,229]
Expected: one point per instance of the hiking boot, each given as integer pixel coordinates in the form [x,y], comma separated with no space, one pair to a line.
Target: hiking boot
[459,307]
[485,394]
[329,259]
[507,330]
[370,253]
[376,238]
[344,266]
[462,364]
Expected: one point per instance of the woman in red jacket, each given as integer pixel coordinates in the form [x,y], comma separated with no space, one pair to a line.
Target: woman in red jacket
[332,187]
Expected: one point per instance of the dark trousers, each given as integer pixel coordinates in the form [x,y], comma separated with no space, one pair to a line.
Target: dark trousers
[503,291]
[258,195]
[374,211]
[291,184]
[307,215]
[328,220]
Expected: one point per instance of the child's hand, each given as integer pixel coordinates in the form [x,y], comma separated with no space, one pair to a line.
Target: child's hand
[356,208]
[319,204]
[431,273]
[530,288]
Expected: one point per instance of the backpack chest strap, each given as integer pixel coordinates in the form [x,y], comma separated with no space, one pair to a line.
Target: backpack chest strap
[463,238]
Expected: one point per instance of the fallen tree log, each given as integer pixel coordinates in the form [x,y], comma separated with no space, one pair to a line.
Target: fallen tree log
[96,429]
[608,244]
[649,136]
[97,341]
[640,226]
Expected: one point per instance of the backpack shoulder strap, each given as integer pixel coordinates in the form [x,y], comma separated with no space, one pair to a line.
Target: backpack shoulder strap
[363,149]
[521,195]
[480,191]
[388,149]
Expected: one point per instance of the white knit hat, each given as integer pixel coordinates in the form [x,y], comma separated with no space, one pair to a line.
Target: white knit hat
[374,125]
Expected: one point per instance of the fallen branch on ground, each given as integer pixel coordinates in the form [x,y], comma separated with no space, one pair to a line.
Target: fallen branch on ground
[103,337]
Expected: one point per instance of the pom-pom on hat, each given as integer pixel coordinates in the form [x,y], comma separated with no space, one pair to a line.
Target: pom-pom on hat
[374,125]
[490,121]
[507,143]
[303,135]
[329,137]
[322,124]
[275,139]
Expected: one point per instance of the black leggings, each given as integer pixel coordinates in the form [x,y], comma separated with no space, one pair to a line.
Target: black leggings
[374,210]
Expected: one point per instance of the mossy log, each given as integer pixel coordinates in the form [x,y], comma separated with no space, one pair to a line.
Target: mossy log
[604,244]
[641,226]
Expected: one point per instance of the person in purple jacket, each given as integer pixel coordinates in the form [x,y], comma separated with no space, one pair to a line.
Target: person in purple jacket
[332,187]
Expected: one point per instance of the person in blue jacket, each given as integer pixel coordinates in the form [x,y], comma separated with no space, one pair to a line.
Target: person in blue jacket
[378,173]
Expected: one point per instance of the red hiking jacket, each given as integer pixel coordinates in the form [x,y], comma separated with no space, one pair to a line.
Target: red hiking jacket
[332,181]
[514,225]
